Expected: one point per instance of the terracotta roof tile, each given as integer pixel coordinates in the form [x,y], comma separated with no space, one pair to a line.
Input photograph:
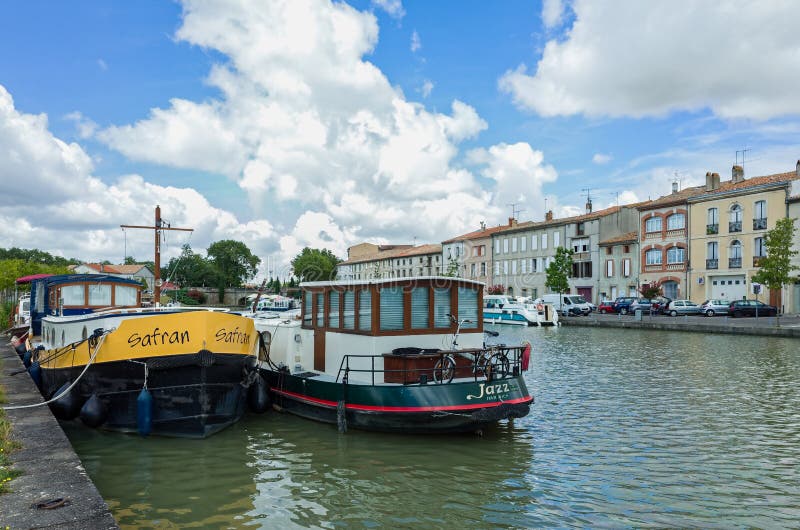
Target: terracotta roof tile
[404,251]
[631,237]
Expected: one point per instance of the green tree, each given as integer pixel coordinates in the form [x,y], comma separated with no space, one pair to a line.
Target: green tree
[452,268]
[776,267]
[11,269]
[233,263]
[313,264]
[190,270]
[651,291]
[559,270]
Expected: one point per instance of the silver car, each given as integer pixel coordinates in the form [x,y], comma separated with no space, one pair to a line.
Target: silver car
[714,307]
[682,307]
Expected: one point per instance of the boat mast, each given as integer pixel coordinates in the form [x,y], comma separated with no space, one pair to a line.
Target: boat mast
[158,227]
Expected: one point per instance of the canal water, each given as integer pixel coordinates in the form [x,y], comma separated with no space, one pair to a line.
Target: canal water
[630,428]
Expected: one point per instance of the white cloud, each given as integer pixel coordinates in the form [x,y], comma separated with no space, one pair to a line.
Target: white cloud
[552,12]
[85,127]
[739,59]
[426,88]
[305,124]
[102,64]
[393,7]
[601,158]
[416,44]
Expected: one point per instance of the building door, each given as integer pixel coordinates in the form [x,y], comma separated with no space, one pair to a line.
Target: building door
[728,287]
[670,289]
[585,292]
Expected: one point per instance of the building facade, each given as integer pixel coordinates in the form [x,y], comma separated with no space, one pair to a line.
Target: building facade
[470,255]
[398,261]
[729,224]
[619,266]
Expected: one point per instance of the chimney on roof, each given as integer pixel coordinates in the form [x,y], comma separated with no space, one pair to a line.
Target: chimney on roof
[675,186]
[737,174]
[512,221]
[483,225]
[797,168]
[588,205]
[712,181]
[549,215]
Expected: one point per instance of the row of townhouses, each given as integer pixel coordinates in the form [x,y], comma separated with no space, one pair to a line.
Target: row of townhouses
[698,243]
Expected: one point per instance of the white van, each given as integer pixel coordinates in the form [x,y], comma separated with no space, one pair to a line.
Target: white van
[566,303]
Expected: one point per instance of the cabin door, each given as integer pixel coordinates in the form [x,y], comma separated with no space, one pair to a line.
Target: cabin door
[319,350]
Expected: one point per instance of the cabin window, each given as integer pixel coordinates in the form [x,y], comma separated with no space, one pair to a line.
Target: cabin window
[420,317]
[349,310]
[391,304]
[73,295]
[307,310]
[124,295]
[320,310]
[468,307]
[333,311]
[365,310]
[100,295]
[441,308]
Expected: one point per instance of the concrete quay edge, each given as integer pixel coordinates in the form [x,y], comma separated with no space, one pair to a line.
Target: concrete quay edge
[676,324]
[50,467]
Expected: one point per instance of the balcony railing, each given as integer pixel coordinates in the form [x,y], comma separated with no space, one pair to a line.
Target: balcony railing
[712,264]
[760,224]
[734,263]
[676,266]
[757,261]
[735,226]
[712,229]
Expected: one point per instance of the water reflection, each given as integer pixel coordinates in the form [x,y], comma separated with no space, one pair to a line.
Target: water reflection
[639,428]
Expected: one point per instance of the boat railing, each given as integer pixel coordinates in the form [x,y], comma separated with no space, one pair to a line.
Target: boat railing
[417,368]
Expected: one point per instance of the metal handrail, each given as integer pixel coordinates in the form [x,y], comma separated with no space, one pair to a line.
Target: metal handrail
[513,354]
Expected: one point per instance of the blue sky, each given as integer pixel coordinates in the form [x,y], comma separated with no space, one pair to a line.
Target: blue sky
[326,124]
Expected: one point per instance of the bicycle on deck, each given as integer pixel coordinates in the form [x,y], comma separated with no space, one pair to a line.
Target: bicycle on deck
[490,362]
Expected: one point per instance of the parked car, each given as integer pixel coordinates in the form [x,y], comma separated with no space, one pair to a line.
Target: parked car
[642,304]
[606,306]
[566,304]
[592,307]
[751,308]
[658,304]
[714,307]
[682,307]
[622,304]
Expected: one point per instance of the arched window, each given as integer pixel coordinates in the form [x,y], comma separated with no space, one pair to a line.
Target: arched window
[653,225]
[653,256]
[735,255]
[735,219]
[676,221]
[675,255]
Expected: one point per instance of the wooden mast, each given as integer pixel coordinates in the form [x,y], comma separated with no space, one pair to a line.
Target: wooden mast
[158,227]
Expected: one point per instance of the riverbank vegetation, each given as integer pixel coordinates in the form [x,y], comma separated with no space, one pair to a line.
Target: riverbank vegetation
[7,446]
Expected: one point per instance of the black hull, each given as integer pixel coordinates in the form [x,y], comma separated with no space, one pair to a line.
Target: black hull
[194,395]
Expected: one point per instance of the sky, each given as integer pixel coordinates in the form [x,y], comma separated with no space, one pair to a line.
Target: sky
[294,123]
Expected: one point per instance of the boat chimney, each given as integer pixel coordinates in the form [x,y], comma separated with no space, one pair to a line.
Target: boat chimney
[737,174]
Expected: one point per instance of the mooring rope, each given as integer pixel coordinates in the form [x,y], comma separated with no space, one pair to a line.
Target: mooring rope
[98,345]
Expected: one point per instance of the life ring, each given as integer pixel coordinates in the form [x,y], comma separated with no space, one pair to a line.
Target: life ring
[539,307]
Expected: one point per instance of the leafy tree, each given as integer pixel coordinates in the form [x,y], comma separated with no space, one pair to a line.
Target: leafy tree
[313,264]
[651,291]
[233,263]
[11,269]
[496,289]
[452,268]
[190,270]
[36,256]
[559,270]
[276,286]
[776,267]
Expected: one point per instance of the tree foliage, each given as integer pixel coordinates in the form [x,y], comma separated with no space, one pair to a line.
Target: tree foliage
[36,256]
[496,289]
[36,262]
[559,270]
[190,270]
[233,262]
[776,267]
[313,264]
[651,291]
[452,268]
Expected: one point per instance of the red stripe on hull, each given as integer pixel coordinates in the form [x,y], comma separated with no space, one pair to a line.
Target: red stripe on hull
[353,406]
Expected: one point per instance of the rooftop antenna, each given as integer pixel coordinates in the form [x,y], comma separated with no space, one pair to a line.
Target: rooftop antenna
[744,152]
[514,211]
[545,204]
[588,198]
[415,241]
[616,197]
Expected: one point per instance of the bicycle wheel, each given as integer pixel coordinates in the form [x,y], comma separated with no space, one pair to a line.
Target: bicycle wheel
[444,370]
[482,362]
[498,366]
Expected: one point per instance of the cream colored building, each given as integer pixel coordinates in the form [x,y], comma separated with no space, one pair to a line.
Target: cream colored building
[728,225]
[392,261]
[471,254]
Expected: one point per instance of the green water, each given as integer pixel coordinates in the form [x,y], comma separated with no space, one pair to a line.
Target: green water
[630,428]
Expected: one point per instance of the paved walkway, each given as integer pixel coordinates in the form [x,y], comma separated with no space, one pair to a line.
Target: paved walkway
[785,326]
[50,468]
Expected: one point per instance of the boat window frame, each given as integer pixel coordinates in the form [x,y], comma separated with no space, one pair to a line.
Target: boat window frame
[407,286]
[54,294]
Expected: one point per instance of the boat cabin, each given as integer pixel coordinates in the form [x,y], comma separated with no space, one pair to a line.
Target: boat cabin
[77,294]
[375,317]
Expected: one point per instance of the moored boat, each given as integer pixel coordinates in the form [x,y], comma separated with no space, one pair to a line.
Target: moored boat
[166,370]
[502,309]
[398,355]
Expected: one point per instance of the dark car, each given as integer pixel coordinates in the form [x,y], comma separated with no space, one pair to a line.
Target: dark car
[622,304]
[751,308]
[606,306]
